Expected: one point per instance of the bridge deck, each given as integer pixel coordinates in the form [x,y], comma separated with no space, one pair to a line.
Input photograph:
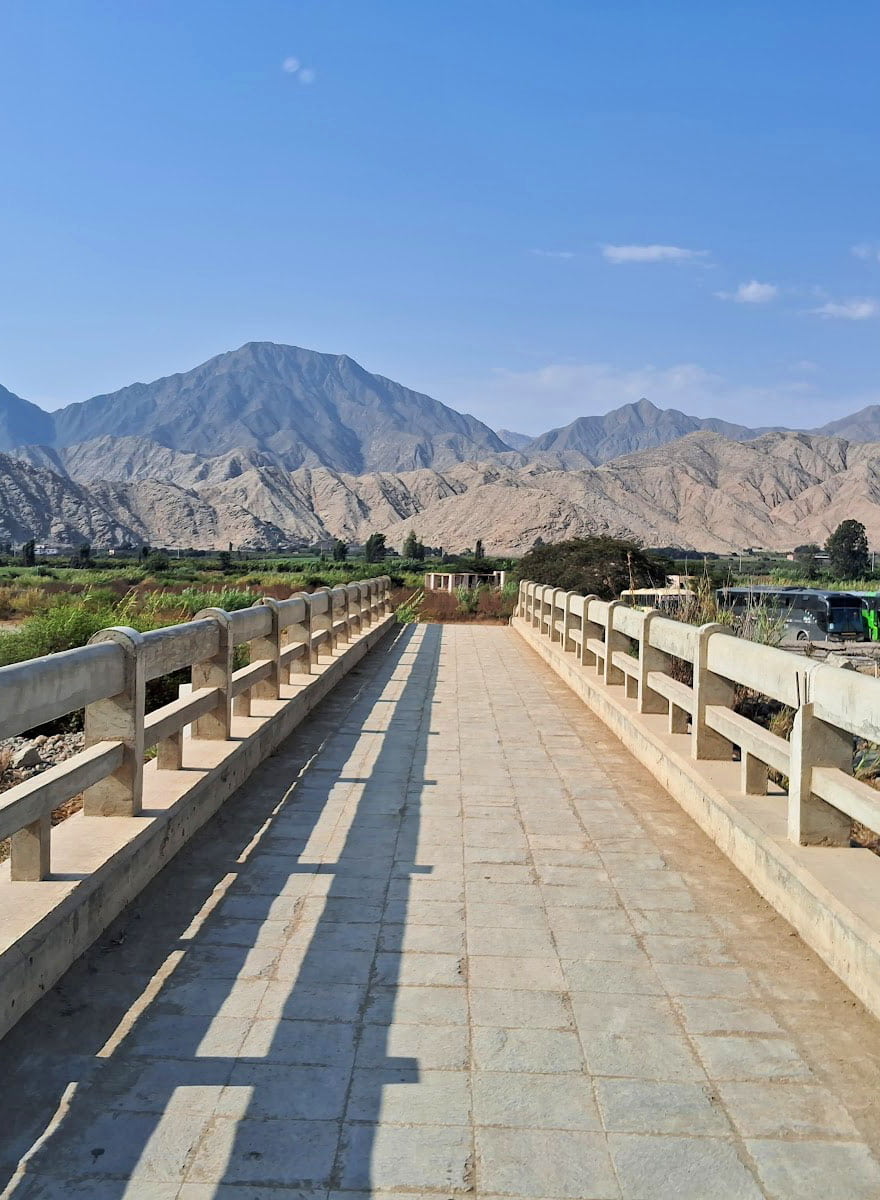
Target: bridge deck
[450,939]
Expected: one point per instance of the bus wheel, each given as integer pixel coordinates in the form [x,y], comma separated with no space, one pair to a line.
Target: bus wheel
[802,637]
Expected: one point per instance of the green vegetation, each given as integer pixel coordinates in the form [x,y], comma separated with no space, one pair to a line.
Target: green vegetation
[593,566]
[847,549]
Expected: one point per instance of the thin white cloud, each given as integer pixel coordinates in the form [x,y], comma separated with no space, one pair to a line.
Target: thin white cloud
[651,254]
[858,309]
[866,251]
[555,394]
[293,66]
[751,293]
[565,254]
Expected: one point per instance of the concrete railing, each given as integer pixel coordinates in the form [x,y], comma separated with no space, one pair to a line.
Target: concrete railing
[136,815]
[630,666]
[107,678]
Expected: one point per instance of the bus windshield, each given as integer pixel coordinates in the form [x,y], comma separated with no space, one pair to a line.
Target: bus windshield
[845,616]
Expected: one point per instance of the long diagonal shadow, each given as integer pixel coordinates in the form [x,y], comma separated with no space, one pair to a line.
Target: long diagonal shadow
[215,1027]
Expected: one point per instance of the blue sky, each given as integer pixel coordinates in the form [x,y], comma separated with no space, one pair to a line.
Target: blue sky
[531,209]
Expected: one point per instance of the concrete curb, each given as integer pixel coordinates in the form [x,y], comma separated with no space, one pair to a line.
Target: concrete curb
[830,896]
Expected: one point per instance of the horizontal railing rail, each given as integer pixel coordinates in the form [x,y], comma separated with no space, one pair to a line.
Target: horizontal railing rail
[643,652]
[107,679]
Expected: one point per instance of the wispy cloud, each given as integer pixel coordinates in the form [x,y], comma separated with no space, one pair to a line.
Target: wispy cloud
[751,293]
[651,254]
[866,251]
[556,393]
[566,254]
[292,66]
[857,309]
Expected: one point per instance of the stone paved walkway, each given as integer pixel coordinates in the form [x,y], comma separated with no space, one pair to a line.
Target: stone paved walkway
[450,939]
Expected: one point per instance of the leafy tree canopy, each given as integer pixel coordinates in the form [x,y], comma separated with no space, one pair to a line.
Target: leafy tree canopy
[593,566]
[847,550]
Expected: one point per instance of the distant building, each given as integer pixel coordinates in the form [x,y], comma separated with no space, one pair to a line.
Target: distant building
[450,581]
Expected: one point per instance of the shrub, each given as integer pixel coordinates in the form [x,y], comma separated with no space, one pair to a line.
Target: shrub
[597,566]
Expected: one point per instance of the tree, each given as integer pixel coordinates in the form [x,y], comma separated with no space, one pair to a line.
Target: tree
[410,545]
[479,552]
[340,550]
[29,553]
[84,555]
[145,553]
[847,550]
[806,558]
[224,560]
[593,566]
[374,548]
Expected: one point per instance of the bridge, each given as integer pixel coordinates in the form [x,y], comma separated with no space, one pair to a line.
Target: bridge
[439,911]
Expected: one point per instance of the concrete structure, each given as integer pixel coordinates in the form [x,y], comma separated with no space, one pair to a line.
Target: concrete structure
[450,581]
[62,887]
[793,847]
[449,941]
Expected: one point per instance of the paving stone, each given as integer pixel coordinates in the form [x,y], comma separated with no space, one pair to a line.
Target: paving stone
[271,1153]
[527,942]
[307,1043]
[441,1047]
[544,1162]
[408,1097]
[832,1170]
[525,974]
[642,1055]
[774,1110]
[541,1050]
[519,1009]
[751,1058]
[396,1158]
[648,1106]
[416,1006]
[681,1168]
[546,1101]
[605,1012]
[725,1016]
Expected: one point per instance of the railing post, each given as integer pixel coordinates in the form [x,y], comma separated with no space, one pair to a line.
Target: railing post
[589,629]
[29,851]
[340,609]
[556,635]
[375,604]
[300,634]
[353,608]
[322,622]
[215,672]
[387,606]
[119,719]
[269,648]
[650,659]
[569,645]
[709,689]
[613,641]
[815,743]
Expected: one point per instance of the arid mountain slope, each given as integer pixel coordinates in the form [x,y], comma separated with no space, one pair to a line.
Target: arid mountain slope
[640,426]
[705,492]
[302,407]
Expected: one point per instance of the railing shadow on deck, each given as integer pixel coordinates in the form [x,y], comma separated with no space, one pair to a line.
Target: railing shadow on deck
[114,1073]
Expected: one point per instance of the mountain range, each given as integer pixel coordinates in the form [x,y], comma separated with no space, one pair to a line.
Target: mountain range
[268,444]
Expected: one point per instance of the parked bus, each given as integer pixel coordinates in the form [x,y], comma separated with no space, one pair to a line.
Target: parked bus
[807,614]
